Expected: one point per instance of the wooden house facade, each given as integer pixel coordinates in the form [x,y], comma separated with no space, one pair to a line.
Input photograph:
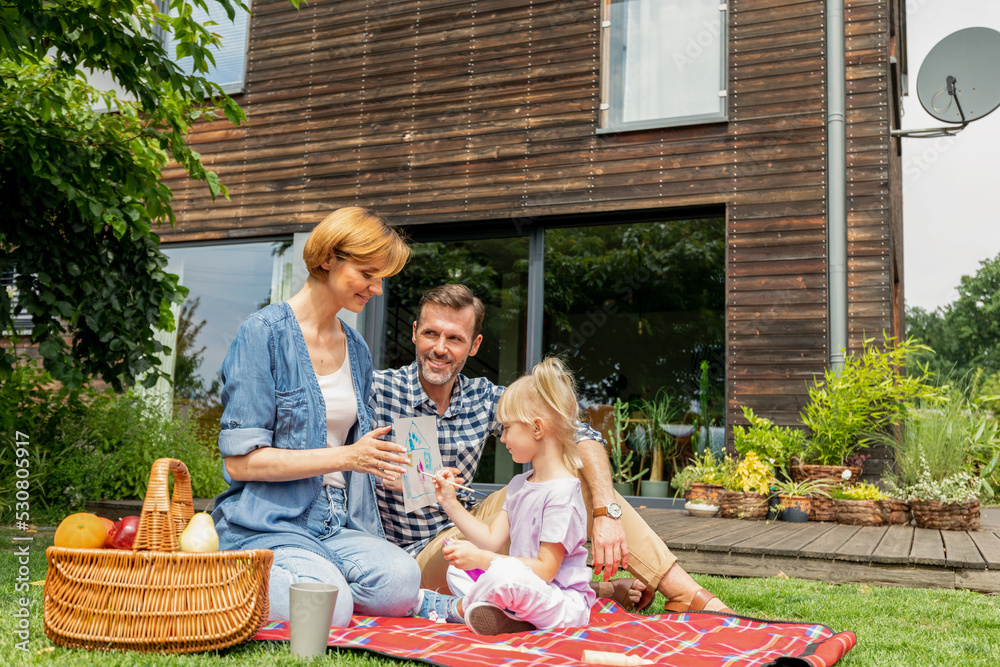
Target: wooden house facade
[487,114]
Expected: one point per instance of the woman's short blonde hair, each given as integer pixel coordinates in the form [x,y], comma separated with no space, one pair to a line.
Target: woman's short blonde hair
[359,234]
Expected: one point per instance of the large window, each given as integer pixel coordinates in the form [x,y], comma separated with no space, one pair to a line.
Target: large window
[231,57]
[22,321]
[663,63]
[636,308]
[226,283]
[496,270]
[633,308]
[229,70]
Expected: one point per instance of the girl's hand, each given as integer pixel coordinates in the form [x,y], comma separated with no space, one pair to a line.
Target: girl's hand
[378,457]
[444,492]
[465,555]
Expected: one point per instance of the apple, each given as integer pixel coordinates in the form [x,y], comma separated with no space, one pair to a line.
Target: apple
[122,536]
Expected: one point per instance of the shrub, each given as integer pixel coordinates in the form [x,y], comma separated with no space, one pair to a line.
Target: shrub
[119,439]
[751,475]
[705,469]
[807,487]
[867,395]
[776,444]
[956,488]
[86,444]
[35,410]
[950,437]
[861,491]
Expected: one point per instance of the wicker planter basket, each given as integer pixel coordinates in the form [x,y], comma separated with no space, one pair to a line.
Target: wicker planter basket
[953,516]
[155,598]
[739,505]
[822,507]
[897,511]
[709,493]
[860,512]
[831,474]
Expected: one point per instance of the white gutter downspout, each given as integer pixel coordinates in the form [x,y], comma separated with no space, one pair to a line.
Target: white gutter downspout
[836,187]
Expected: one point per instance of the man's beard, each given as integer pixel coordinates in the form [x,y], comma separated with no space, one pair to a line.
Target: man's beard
[438,378]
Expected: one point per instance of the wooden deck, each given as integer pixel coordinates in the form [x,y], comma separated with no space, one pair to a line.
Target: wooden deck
[835,553]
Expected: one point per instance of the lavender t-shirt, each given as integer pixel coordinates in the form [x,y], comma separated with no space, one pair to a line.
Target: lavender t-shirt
[552,512]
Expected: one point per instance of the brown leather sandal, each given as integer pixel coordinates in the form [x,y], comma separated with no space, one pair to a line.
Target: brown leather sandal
[698,603]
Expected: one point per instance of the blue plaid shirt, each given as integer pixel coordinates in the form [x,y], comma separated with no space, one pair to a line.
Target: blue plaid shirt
[462,432]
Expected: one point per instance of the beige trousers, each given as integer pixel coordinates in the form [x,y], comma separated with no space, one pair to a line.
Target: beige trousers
[648,558]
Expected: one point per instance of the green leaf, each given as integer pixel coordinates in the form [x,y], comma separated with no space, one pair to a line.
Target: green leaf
[49,349]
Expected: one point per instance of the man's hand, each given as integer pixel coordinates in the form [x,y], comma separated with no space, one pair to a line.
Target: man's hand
[609,546]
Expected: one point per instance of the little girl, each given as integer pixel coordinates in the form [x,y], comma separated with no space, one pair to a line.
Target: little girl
[545,582]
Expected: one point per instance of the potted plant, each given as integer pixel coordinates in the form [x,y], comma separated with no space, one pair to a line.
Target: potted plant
[658,414]
[850,405]
[796,498]
[748,486]
[774,444]
[622,477]
[895,506]
[707,435]
[702,507]
[939,441]
[949,503]
[859,505]
[700,479]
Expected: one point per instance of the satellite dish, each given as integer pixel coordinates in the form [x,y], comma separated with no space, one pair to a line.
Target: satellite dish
[958,80]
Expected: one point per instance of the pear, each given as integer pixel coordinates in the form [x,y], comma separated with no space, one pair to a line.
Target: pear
[199,537]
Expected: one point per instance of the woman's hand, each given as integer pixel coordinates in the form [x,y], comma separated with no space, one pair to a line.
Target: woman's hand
[378,457]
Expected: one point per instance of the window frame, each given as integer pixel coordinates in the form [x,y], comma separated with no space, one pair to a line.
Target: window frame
[612,79]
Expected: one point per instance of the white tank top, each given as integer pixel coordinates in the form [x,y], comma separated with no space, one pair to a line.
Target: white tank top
[341,412]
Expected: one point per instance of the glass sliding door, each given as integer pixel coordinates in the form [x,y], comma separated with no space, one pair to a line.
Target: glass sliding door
[496,271]
[635,308]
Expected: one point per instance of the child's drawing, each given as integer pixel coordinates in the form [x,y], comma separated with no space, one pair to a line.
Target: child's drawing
[419,436]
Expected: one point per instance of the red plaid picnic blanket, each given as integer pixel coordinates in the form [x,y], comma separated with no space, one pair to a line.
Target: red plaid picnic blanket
[698,638]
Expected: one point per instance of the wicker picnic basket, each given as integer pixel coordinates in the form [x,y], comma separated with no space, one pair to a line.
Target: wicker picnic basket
[155,598]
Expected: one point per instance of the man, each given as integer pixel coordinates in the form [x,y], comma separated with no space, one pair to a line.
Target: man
[446,334]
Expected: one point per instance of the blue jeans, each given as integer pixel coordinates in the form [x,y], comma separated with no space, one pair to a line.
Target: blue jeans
[375,577]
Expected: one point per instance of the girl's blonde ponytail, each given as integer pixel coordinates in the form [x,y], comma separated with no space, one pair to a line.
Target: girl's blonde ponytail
[549,390]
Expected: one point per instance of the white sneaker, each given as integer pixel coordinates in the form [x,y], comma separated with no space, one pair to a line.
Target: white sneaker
[486,618]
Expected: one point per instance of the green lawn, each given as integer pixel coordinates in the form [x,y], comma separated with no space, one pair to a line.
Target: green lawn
[895,626]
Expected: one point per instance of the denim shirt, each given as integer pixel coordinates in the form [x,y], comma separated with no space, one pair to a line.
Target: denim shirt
[271,398]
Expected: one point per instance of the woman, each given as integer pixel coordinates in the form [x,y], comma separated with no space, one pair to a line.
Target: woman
[299,451]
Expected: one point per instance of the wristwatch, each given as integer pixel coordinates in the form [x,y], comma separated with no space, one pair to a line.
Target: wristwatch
[613,510]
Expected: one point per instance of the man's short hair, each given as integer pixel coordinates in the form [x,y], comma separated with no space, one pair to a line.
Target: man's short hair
[456,297]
